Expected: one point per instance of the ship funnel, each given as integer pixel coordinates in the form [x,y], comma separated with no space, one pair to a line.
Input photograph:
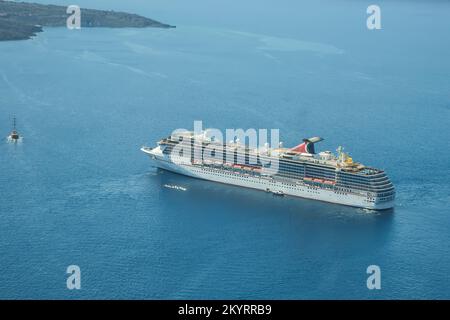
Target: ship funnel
[307,146]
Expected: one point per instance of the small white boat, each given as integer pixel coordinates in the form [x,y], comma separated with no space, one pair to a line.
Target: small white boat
[14,136]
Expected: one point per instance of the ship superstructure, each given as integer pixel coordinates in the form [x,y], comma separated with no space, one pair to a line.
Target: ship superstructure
[297,171]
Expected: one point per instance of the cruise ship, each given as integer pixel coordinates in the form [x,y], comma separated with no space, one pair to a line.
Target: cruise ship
[299,171]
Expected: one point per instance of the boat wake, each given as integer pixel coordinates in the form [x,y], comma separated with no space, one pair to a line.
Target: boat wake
[169,186]
[14,141]
[367,211]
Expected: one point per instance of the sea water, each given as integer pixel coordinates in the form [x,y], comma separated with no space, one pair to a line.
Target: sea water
[78,191]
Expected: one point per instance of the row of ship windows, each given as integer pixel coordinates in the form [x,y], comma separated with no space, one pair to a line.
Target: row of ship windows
[287,185]
[368,180]
[387,182]
[292,186]
[386,194]
[308,172]
[318,174]
[312,190]
[303,168]
[234,176]
[382,199]
[348,184]
[237,158]
[360,181]
[332,172]
[366,188]
[309,188]
[360,188]
[291,175]
[386,198]
[231,173]
[302,175]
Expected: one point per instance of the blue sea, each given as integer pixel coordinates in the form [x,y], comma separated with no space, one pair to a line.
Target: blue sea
[78,191]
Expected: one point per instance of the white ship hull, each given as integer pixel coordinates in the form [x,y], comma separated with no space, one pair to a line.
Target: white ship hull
[296,189]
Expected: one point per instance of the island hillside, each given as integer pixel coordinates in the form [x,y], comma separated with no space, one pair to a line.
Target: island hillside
[22,20]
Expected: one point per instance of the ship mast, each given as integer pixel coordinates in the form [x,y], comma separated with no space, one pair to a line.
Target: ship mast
[14,134]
